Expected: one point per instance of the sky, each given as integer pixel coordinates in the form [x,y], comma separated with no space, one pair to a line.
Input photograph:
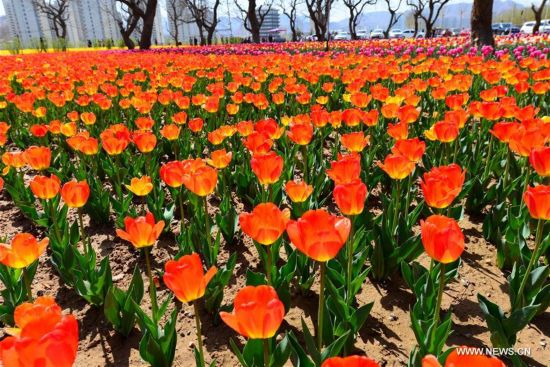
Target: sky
[339,11]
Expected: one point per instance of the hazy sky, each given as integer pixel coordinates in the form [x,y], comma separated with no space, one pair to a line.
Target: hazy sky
[340,12]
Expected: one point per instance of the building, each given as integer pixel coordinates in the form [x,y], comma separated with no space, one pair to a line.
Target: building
[23,21]
[95,23]
[187,29]
[271,21]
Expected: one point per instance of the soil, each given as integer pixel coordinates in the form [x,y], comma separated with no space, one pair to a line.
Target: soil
[386,335]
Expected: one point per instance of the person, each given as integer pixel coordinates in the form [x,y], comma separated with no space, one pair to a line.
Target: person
[270,38]
[43,45]
[89,43]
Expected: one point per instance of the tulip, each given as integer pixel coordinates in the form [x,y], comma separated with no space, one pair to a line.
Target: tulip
[397,166]
[140,186]
[43,337]
[145,141]
[75,194]
[44,187]
[186,279]
[464,359]
[298,192]
[346,169]
[267,167]
[38,158]
[141,231]
[320,236]
[114,145]
[1,184]
[443,241]
[351,361]
[201,181]
[258,143]
[170,132]
[301,134]
[350,197]
[172,173]
[355,142]
[441,185]
[220,158]
[540,160]
[412,149]
[257,314]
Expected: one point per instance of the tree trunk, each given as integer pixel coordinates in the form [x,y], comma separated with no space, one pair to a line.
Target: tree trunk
[210,35]
[293,30]
[415,25]
[253,21]
[351,24]
[538,16]
[429,29]
[148,23]
[482,19]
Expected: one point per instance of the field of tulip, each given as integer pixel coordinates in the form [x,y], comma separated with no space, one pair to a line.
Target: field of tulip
[385,203]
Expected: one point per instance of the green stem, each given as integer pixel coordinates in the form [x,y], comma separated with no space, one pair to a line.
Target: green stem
[54,221]
[269,264]
[85,239]
[534,256]
[199,333]
[350,260]
[182,212]
[266,352]
[321,309]
[439,298]
[396,208]
[152,291]
[207,223]
[408,196]
[27,282]
[304,159]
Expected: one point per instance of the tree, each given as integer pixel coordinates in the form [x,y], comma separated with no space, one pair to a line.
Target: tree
[355,8]
[394,17]
[538,15]
[176,12]
[205,18]
[57,14]
[290,11]
[253,17]
[319,12]
[482,19]
[417,8]
[429,11]
[145,11]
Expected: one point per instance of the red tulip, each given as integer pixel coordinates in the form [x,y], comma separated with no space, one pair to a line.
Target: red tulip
[185,277]
[265,224]
[350,197]
[538,201]
[442,238]
[351,361]
[441,185]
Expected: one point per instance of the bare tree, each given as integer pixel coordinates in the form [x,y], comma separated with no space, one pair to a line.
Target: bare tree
[538,15]
[126,21]
[204,17]
[482,19]
[319,12]
[394,16]
[176,13]
[417,8]
[57,14]
[429,11]
[290,10]
[145,11]
[355,8]
[253,17]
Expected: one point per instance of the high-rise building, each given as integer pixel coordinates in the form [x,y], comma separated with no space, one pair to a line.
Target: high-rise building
[95,23]
[271,21]
[23,20]
[187,29]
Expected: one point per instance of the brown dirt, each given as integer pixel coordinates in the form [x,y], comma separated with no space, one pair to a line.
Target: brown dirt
[386,336]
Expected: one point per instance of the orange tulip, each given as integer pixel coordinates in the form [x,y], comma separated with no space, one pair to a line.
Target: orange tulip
[179,118]
[199,178]
[258,143]
[144,123]
[115,139]
[319,234]
[441,185]
[172,173]
[265,224]
[524,139]
[412,149]
[298,192]
[220,158]
[140,186]
[355,142]
[43,337]
[39,130]
[464,359]
[503,130]
[540,160]
[537,200]
[442,238]
[170,132]
[360,99]
[1,184]
[141,231]
[196,124]
[397,166]
[185,277]
[44,187]
[350,197]
[398,131]
[267,168]
[23,250]
[351,361]
[88,118]
[145,141]
[301,134]
[38,158]
[346,169]
[75,194]
[257,312]
[443,131]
